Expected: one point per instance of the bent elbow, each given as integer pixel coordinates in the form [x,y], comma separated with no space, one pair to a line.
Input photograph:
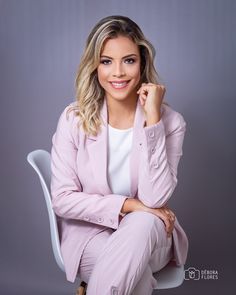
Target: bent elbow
[160,197]
[56,207]
[59,204]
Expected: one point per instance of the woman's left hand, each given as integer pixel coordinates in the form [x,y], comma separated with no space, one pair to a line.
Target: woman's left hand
[151,97]
[166,215]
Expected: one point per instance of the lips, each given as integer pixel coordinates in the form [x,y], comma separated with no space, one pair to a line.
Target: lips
[119,84]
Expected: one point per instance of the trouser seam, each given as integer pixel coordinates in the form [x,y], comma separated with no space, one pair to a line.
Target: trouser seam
[140,263]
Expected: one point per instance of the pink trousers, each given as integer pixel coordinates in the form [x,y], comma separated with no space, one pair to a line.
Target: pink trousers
[123,261]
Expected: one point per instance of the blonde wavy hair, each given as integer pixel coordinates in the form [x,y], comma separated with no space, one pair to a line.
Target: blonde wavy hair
[89,93]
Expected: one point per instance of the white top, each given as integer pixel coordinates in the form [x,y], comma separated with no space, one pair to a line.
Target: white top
[119,147]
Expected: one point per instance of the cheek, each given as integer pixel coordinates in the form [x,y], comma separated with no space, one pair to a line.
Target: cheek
[136,76]
[135,72]
[102,73]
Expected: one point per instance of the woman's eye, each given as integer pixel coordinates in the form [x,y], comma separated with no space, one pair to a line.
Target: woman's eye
[108,61]
[105,61]
[130,60]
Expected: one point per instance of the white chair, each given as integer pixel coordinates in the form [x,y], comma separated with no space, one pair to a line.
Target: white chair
[170,276]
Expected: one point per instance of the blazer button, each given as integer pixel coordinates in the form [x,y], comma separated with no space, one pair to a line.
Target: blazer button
[100,219]
[155,165]
[114,291]
[86,218]
[151,133]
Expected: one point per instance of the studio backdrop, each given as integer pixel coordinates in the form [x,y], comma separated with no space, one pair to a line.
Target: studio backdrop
[41,43]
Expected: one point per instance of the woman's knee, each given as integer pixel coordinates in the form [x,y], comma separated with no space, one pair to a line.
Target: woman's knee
[143,219]
[142,225]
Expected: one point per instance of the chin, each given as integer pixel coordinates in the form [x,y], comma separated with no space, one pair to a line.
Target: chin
[119,97]
[120,94]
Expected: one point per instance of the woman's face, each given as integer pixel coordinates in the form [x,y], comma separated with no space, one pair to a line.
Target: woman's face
[119,69]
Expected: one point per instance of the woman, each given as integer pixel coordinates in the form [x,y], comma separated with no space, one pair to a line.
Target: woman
[114,166]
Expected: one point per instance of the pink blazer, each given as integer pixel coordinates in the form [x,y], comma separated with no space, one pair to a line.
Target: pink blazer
[81,196]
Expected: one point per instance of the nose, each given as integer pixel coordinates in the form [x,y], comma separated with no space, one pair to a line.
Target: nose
[118,70]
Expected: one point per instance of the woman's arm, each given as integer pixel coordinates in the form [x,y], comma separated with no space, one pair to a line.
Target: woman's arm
[161,152]
[68,198]
[159,161]
[164,213]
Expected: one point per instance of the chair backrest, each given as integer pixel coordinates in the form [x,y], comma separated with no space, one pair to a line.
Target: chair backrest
[40,160]
[170,276]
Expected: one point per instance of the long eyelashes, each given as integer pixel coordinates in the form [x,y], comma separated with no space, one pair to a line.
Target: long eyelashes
[108,61]
[105,61]
[130,60]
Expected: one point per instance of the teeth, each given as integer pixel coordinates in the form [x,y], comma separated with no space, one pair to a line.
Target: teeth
[119,84]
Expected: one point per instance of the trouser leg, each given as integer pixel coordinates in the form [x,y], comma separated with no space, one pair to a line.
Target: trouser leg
[91,253]
[125,256]
[146,284]
[160,258]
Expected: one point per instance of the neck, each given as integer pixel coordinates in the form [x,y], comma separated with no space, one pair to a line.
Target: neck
[121,113]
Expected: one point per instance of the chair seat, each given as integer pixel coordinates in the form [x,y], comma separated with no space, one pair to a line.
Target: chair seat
[170,276]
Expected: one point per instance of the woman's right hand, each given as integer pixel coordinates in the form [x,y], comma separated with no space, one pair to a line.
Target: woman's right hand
[164,213]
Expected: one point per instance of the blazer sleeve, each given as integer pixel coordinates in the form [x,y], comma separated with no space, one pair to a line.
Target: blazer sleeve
[160,157]
[68,199]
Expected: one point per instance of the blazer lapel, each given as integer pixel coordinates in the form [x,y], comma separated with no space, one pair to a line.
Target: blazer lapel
[139,121]
[98,154]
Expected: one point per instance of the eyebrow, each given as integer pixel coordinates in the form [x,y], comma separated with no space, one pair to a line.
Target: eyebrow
[129,55]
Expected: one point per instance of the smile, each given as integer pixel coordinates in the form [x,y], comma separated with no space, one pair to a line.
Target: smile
[119,85]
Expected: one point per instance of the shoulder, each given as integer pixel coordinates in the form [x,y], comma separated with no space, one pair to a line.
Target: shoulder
[68,120]
[172,119]
[68,114]
[69,110]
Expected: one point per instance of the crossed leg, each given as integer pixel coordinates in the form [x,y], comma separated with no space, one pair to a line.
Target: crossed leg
[123,261]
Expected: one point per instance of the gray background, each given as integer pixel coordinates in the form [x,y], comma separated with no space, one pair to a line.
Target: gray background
[40,45]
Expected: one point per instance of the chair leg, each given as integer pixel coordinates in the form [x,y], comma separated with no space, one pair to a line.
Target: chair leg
[82,289]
